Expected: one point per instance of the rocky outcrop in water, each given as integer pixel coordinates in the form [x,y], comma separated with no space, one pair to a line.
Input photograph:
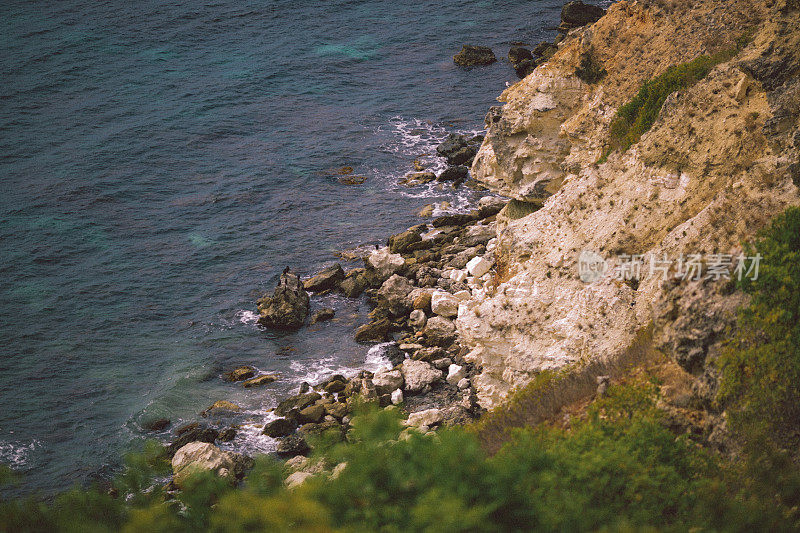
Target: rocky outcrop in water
[471,56]
[288,306]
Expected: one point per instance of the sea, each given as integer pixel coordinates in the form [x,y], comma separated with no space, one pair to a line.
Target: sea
[163,161]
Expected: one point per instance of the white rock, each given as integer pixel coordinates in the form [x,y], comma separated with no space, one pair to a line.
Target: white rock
[385,263]
[410,347]
[418,375]
[444,304]
[199,456]
[491,246]
[397,397]
[387,381]
[463,296]
[455,373]
[337,470]
[458,275]
[417,319]
[478,266]
[429,417]
[463,384]
[297,479]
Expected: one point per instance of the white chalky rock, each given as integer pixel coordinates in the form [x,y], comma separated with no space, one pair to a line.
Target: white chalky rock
[444,304]
[397,397]
[455,374]
[478,266]
[385,263]
[427,418]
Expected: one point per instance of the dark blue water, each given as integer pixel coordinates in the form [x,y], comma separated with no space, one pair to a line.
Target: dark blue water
[162,162]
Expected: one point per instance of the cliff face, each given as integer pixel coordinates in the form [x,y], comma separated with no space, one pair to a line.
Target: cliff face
[719,162]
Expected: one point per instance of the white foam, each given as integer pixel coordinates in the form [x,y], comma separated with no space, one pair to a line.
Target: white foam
[246,317]
[17,454]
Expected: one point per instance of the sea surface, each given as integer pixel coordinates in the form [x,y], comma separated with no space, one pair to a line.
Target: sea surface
[162,162]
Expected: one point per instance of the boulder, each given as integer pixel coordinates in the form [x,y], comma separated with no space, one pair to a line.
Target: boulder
[387,381]
[325,280]
[420,299]
[322,315]
[426,211]
[417,319]
[227,435]
[298,402]
[336,409]
[518,53]
[471,56]
[195,433]
[429,417]
[384,263]
[454,173]
[418,375]
[401,241]
[354,283]
[296,479]
[280,427]
[456,373]
[575,14]
[258,381]
[393,294]
[201,456]
[287,308]
[375,331]
[478,266]
[292,446]
[397,397]
[525,67]
[312,414]
[239,374]
[451,145]
[544,50]
[440,331]
[444,304]
[459,219]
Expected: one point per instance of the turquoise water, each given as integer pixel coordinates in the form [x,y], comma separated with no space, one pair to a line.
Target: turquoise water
[162,162]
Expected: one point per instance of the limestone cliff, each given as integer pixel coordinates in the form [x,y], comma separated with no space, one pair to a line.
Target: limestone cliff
[719,162]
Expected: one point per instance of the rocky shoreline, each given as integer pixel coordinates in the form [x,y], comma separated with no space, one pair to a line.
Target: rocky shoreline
[414,285]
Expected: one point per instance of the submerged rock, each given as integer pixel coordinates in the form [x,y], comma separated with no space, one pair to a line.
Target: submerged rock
[288,307]
[471,56]
[158,424]
[456,173]
[221,406]
[322,315]
[239,374]
[266,379]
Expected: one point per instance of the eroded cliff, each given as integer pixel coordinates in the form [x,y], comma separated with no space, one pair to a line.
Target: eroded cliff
[720,160]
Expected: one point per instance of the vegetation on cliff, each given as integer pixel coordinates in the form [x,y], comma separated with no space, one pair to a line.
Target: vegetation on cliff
[635,118]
